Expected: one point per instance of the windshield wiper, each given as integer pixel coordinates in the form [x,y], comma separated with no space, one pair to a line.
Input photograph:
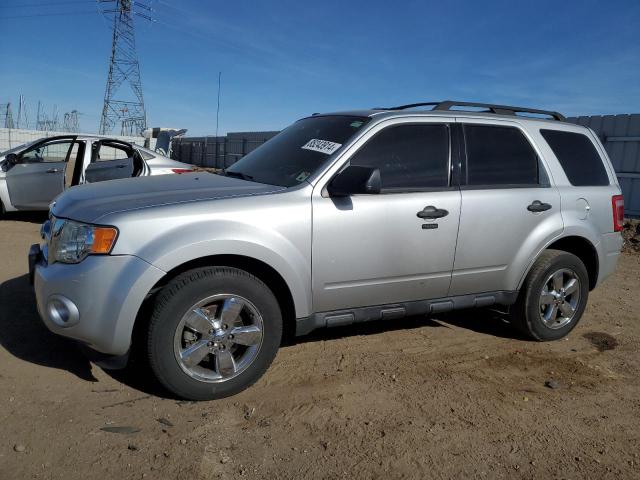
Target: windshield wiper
[240,175]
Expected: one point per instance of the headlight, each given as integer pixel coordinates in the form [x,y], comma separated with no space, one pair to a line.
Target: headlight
[72,242]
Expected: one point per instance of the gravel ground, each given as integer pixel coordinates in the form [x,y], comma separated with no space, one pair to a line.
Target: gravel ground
[631,234]
[455,396]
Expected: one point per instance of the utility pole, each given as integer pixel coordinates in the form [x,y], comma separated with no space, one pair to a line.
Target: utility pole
[21,111]
[120,105]
[38,116]
[218,107]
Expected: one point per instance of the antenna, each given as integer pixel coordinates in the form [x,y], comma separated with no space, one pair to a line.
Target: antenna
[124,69]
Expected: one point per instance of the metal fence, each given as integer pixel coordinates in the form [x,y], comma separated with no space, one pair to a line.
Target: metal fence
[217,152]
[620,135]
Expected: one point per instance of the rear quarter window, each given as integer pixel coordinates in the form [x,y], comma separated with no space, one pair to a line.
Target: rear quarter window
[578,157]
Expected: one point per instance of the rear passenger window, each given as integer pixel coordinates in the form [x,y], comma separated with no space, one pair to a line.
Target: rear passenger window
[578,156]
[410,157]
[499,156]
[109,152]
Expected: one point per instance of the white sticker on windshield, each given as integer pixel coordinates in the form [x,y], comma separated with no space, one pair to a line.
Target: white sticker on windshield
[322,146]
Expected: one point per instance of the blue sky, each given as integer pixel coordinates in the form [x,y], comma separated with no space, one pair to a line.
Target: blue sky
[281,60]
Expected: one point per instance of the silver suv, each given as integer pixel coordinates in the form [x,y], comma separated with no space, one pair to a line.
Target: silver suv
[341,218]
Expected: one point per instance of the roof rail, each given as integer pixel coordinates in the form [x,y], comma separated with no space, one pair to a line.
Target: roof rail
[448,105]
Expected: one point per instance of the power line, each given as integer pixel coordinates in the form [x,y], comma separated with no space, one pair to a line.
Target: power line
[48,4]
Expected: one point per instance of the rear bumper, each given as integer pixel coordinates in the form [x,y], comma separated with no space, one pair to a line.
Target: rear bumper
[610,253]
[95,301]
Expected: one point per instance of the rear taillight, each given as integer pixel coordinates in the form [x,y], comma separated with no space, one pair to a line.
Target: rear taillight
[617,205]
[181,170]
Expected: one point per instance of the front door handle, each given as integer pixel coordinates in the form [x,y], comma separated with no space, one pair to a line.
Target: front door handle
[431,212]
[538,206]
[54,170]
[121,166]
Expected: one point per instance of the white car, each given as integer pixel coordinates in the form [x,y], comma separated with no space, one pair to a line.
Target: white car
[33,174]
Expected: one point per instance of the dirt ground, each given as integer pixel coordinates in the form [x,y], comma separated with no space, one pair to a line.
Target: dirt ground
[456,396]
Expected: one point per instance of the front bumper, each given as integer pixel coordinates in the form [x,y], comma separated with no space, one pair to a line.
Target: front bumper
[95,301]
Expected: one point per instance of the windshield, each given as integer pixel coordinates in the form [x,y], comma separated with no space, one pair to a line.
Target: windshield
[19,147]
[297,152]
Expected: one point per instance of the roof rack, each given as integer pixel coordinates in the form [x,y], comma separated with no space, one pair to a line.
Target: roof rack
[489,108]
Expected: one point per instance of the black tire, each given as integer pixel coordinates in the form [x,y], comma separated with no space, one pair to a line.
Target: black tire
[2,210]
[525,314]
[174,301]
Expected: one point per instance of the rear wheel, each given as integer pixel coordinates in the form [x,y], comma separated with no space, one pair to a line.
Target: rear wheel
[213,332]
[553,296]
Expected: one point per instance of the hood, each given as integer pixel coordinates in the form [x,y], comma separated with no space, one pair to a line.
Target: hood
[87,203]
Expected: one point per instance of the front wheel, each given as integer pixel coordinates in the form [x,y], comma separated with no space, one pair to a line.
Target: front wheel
[553,296]
[214,331]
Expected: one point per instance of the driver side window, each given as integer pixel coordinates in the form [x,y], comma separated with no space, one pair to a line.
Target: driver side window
[410,157]
[47,153]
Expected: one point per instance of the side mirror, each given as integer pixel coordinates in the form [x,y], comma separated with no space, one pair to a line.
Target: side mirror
[355,180]
[12,159]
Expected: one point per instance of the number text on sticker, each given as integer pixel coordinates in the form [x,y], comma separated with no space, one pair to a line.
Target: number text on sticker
[322,146]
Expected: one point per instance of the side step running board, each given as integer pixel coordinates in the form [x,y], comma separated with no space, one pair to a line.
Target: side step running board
[399,310]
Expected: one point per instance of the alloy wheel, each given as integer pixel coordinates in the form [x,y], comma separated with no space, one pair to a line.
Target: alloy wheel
[218,338]
[559,298]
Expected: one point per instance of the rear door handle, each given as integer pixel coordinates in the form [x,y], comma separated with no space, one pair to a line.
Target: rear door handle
[538,206]
[54,170]
[431,212]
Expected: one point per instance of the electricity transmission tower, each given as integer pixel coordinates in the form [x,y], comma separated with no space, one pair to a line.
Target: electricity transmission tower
[7,115]
[46,123]
[70,122]
[126,104]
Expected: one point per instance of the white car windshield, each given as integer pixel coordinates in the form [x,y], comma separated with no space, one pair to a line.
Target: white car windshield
[18,148]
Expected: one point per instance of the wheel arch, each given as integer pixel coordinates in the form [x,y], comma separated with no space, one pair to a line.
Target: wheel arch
[584,250]
[579,246]
[266,273]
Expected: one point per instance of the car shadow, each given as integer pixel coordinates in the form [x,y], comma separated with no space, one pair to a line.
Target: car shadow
[482,320]
[486,321]
[23,334]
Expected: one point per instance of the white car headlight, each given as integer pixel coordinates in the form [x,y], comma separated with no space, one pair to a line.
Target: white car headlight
[72,242]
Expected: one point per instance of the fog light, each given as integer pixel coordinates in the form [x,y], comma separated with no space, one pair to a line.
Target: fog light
[62,311]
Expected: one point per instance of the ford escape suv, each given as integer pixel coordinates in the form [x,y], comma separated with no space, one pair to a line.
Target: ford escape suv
[340,218]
